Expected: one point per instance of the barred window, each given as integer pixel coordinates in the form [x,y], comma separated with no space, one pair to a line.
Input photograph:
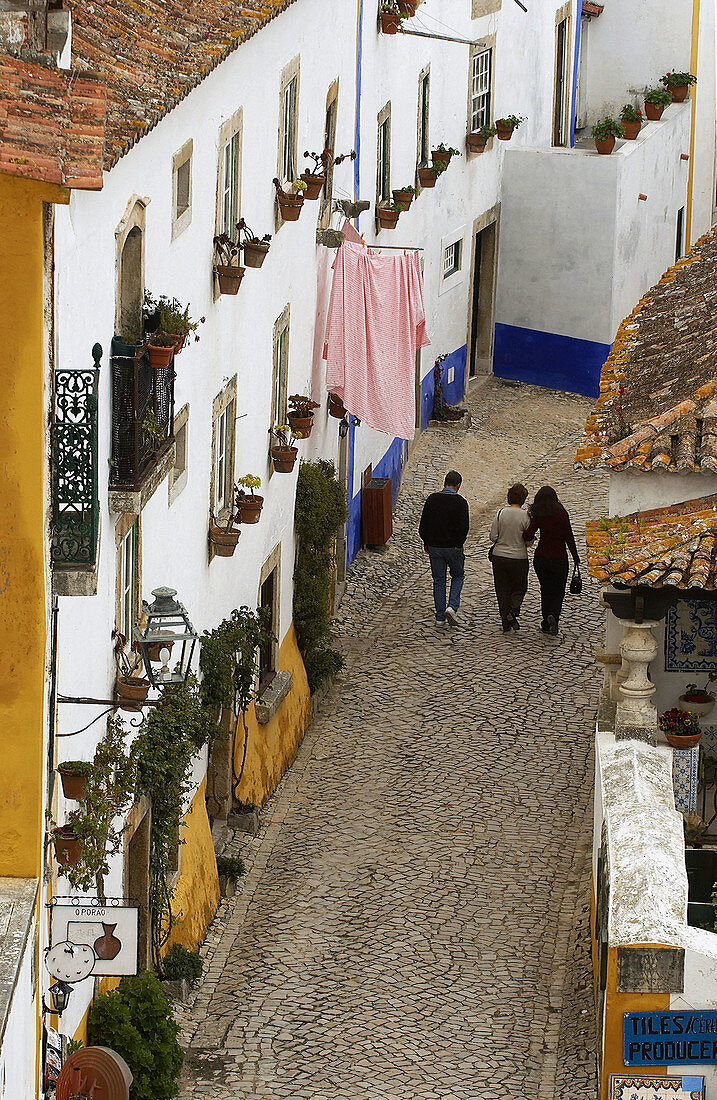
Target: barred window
[480,90]
[452,258]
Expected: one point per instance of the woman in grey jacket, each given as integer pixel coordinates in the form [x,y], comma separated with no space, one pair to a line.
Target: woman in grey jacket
[510,557]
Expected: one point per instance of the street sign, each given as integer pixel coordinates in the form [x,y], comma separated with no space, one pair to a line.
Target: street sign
[684,1038]
[109,928]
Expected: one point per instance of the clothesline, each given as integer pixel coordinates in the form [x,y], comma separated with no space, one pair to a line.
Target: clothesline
[398,247]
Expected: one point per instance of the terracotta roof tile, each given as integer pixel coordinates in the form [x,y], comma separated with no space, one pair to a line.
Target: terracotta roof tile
[51,124]
[152,54]
[661,375]
[674,546]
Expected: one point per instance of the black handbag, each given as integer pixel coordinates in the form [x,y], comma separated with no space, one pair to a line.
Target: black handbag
[576,581]
[493,546]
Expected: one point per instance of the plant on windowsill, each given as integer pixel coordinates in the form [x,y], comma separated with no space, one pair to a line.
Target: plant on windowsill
[477,140]
[291,201]
[681,728]
[73,774]
[404,196]
[631,120]
[388,213]
[283,452]
[697,700]
[656,99]
[254,248]
[227,268]
[678,85]
[604,133]
[391,17]
[168,315]
[301,415]
[442,155]
[427,175]
[315,178]
[131,688]
[223,537]
[248,505]
[505,127]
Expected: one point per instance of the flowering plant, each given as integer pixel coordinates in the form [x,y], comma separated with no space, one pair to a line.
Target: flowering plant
[681,723]
[605,128]
[630,113]
[658,97]
[283,435]
[677,80]
[250,482]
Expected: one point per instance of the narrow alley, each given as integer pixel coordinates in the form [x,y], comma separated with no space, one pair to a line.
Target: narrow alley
[413,921]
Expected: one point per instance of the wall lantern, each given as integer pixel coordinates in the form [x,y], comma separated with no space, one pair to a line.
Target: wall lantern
[59,996]
[168,635]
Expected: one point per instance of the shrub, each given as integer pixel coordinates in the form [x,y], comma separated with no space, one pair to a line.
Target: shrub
[231,866]
[180,963]
[136,1020]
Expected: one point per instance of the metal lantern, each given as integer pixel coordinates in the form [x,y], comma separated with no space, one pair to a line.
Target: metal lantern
[168,641]
[59,996]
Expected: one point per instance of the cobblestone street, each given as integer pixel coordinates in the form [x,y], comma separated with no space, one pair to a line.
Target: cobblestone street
[413,921]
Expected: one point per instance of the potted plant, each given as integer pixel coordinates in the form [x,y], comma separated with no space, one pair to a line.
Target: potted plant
[248,507]
[223,537]
[655,102]
[161,347]
[226,264]
[604,133]
[168,315]
[131,688]
[388,213]
[407,7]
[283,451]
[678,85]
[73,774]
[441,156]
[255,249]
[316,178]
[631,120]
[404,196]
[506,126]
[336,407]
[68,848]
[229,869]
[391,17]
[698,700]
[477,140]
[301,415]
[291,201]
[681,728]
[427,176]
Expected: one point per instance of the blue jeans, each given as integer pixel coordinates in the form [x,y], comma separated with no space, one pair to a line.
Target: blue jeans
[442,559]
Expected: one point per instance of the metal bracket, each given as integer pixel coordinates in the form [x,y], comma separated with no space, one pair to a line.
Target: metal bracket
[443,37]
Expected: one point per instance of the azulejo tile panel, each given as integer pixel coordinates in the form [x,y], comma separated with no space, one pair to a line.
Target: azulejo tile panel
[685,775]
[691,637]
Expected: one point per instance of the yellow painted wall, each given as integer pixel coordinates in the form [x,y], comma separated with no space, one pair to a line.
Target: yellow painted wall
[23,463]
[272,748]
[196,895]
[615,1005]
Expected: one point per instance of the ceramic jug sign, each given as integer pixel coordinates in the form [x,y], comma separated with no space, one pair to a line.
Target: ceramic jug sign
[107,946]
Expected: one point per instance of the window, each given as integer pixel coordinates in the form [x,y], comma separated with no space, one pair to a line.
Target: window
[288,124]
[332,102]
[280,378]
[424,90]
[480,90]
[182,189]
[560,106]
[178,473]
[229,204]
[223,439]
[383,160]
[267,603]
[452,259]
[680,237]
[127,575]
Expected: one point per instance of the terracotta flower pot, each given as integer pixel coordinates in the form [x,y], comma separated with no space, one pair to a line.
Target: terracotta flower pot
[159,357]
[390,22]
[679,92]
[440,159]
[313,184]
[290,205]
[301,425]
[179,341]
[683,742]
[605,146]
[403,196]
[653,113]
[427,177]
[505,133]
[387,219]
[255,253]
[68,848]
[630,129]
[229,278]
[284,459]
[73,784]
[250,508]
[224,542]
[336,407]
[408,7]
[131,692]
[475,143]
[701,709]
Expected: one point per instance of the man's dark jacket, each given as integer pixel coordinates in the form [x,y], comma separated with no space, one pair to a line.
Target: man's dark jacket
[444,521]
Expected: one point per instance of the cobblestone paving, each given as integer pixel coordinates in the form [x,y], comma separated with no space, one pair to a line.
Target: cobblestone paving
[413,921]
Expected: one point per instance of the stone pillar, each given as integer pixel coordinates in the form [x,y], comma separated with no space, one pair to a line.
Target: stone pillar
[636,716]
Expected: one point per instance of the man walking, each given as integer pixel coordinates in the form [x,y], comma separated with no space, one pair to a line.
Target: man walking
[443,530]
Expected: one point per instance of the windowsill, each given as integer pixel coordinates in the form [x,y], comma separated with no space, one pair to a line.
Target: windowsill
[132,501]
[268,702]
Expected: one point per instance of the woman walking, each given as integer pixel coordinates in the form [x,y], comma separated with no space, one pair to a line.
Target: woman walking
[510,557]
[550,561]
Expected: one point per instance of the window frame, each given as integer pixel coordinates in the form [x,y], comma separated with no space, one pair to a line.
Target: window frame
[423,115]
[480,115]
[182,218]
[178,475]
[288,155]
[272,565]
[280,367]
[128,583]
[561,99]
[458,274]
[331,115]
[383,155]
[224,432]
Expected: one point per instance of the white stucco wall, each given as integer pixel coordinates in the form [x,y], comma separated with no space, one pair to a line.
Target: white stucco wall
[18,1046]
[704,152]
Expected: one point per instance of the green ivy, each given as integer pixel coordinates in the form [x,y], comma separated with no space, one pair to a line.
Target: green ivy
[228,660]
[136,1020]
[320,513]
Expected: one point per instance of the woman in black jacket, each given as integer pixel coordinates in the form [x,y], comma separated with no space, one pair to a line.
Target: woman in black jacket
[550,561]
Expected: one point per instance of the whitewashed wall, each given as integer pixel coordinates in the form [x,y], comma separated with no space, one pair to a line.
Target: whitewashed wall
[19,1046]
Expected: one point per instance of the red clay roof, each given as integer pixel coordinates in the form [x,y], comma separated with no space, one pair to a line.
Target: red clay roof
[52,124]
[658,390]
[674,546]
[152,54]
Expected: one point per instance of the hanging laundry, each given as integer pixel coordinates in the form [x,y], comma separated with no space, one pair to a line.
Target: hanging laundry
[376,323]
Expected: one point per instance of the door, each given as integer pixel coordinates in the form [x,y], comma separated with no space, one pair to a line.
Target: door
[560,136]
[475,307]
[480,346]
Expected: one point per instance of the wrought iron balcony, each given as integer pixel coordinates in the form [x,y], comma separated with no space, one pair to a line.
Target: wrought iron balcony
[75,504]
[142,415]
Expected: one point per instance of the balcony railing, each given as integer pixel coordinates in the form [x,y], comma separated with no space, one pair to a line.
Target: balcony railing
[142,415]
[75,504]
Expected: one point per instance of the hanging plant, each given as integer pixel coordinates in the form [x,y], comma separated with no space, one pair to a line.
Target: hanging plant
[227,269]
[248,505]
[255,249]
[315,177]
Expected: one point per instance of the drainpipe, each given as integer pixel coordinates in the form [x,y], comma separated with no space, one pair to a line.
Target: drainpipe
[693,118]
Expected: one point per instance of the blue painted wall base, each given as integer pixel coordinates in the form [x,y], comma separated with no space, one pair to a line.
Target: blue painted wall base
[546,359]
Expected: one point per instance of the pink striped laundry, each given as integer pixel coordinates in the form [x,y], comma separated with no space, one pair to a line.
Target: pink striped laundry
[376,322]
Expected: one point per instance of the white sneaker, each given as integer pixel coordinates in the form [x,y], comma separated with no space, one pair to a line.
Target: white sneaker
[452,616]
[441,624]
